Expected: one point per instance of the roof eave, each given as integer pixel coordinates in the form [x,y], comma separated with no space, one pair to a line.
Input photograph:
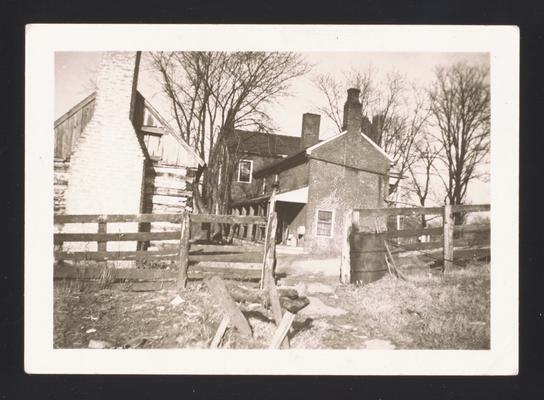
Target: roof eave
[281,164]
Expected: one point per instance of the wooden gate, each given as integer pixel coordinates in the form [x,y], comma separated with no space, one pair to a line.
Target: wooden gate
[192,259]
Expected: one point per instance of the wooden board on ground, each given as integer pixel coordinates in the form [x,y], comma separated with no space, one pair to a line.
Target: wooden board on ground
[219,291]
[280,336]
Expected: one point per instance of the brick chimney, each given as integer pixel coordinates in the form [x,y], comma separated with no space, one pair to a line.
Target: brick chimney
[310,130]
[107,161]
[353,113]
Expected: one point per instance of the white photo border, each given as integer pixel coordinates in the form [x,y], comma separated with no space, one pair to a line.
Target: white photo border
[43,40]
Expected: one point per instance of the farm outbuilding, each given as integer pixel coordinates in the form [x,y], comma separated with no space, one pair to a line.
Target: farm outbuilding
[115,154]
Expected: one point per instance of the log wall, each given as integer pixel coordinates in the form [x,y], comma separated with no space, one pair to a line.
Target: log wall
[60,184]
[167,190]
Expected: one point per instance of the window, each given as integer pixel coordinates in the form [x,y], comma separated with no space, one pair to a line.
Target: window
[245,168]
[324,223]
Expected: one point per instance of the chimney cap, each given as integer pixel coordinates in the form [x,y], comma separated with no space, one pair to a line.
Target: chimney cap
[353,95]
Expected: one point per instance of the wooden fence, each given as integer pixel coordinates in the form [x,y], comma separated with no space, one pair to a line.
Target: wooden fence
[210,258]
[451,238]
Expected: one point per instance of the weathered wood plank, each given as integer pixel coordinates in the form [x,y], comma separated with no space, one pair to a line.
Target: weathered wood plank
[95,272]
[438,244]
[184,251]
[102,246]
[136,274]
[276,306]
[166,191]
[228,248]
[170,201]
[116,255]
[113,237]
[471,242]
[211,265]
[269,256]
[471,207]
[399,211]
[413,232]
[472,228]
[95,218]
[228,219]
[448,226]
[399,248]
[459,254]
[280,336]
[218,289]
[223,325]
[345,261]
[229,257]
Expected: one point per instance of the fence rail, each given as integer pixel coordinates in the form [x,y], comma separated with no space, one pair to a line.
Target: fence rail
[447,237]
[183,250]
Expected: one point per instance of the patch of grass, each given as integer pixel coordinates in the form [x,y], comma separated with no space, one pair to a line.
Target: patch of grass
[449,311]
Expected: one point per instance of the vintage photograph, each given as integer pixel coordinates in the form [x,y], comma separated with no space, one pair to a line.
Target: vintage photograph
[271,200]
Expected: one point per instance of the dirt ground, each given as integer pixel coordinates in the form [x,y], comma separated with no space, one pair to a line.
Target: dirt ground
[449,311]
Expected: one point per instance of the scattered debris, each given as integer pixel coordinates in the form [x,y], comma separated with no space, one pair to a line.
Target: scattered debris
[379,344]
[347,327]
[135,343]
[92,330]
[176,301]
[99,344]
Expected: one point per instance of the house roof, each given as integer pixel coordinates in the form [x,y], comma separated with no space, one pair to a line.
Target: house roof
[165,127]
[300,156]
[262,143]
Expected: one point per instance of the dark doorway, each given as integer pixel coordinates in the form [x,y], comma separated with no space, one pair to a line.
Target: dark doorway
[290,215]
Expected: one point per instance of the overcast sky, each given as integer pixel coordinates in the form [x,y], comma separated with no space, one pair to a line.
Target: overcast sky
[74,72]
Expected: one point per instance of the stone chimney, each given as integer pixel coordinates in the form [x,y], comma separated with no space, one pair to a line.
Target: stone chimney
[107,161]
[376,129]
[310,130]
[353,112]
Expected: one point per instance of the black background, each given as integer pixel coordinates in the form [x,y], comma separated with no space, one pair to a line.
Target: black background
[15,384]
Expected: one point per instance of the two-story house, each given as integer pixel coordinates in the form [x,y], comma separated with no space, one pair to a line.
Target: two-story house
[318,182]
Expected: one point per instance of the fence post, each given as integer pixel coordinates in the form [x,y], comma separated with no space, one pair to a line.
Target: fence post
[269,258]
[101,245]
[448,236]
[250,226]
[345,262]
[184,251]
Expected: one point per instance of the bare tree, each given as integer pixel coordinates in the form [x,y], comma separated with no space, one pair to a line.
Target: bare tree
[213,93]
[335,93]
[401,108]
[422,171]
[460,107]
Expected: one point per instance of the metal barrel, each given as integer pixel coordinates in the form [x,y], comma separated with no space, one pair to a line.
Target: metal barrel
[367,255]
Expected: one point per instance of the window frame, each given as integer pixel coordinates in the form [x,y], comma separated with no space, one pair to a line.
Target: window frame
[317,234]
[250,171]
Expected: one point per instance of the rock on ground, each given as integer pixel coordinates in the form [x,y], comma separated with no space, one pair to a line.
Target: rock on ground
[318,308]
[379,344]
[317,287]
